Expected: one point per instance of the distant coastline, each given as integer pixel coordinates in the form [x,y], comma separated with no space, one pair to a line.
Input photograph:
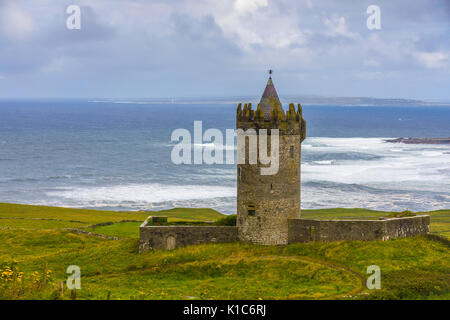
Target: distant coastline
[311,100]
[305,100]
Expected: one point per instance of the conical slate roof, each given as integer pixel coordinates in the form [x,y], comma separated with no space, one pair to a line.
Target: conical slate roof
[269,99]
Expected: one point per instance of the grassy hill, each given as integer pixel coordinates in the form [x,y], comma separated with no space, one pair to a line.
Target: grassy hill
[41,243]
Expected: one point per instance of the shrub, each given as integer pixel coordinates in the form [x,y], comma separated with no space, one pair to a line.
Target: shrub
[406,213]
[227,221]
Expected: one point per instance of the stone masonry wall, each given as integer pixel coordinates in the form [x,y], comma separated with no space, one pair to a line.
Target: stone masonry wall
[276,198]
[171,237]
[306,230]
[266,202]
[406,227]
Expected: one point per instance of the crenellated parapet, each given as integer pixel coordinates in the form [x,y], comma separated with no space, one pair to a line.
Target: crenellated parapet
[290,122]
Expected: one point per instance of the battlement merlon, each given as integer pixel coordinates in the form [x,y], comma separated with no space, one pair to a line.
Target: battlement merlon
[289,123]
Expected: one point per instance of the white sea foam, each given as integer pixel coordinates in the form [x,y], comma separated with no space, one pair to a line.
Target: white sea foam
[211,145]
[324,162]
[140,194]
[355,197]
[336,172]
[422,166]
[204,145]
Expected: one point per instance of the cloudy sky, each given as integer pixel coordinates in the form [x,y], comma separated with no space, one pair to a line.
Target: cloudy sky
[205,48]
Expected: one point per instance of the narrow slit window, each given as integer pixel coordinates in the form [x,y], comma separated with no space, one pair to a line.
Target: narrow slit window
[291,151]
[251,210]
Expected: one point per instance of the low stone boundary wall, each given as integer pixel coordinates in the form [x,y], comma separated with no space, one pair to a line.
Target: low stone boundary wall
[171,237]
[299,230]
[78,231]
[306,230]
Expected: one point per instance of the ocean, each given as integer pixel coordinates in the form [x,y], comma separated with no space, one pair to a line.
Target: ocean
[117,155]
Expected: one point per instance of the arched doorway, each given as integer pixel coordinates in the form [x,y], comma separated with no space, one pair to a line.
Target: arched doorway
[170,243]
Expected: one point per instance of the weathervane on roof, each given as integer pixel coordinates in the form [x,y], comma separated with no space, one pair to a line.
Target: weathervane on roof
[270,73]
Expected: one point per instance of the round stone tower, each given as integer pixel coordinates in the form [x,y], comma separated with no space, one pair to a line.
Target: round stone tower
[265,202]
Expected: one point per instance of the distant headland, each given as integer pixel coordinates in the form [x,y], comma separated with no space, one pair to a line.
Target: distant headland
[310,100]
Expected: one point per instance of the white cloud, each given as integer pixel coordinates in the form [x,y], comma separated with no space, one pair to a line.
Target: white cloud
[249,6]
[15,22]
[257,23]
[432,60]
[338,27]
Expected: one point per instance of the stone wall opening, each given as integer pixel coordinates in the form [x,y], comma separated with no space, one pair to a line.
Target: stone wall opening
[171,242]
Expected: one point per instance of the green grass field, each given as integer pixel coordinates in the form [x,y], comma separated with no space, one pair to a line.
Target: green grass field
[36,248]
